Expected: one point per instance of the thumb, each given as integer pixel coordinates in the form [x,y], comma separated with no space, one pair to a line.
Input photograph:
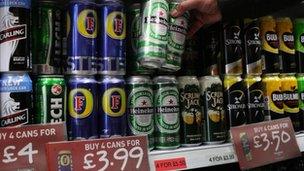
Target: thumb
[185,6]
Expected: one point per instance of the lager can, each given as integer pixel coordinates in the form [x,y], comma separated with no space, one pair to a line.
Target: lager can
[270,45]
[235,100]
[167,116]
[273,97]
[252,43]
[153,40]
[191,117]
[113,121]
[111,47]
[213,110]
[82,113]
[15,35]
[299,43]
[140,107]
[50,95]
[16,99]
[191,59]
[300,79]
[284,28]
[81,38]
[254,98]
[65,161]
[47,37]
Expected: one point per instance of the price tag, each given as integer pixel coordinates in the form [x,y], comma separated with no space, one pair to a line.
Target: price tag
[123,153]
[170,164]
[264,143]
[24,147]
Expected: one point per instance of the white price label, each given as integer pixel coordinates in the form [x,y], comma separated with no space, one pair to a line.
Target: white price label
[10,155]
[277,138]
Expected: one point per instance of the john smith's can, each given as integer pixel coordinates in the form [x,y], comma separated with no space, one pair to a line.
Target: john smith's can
[82,113]
[112,107]
[81,38]
[213,109]
[167,116]
[16,99]
[140,107]
[50,99]
[300,79]
[15,35]
[299,44]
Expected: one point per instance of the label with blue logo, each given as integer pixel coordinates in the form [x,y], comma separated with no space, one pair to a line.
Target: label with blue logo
[16,3]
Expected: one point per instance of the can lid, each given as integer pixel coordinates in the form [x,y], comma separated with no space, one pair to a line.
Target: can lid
[51,76]
[139,80]
[164,79]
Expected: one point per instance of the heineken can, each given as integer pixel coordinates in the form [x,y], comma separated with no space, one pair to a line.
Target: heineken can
[167,120]
[50,95]
[214,131]
[154,33]
[300,79]
[176,38]
[191,117]
[299,43]
[140,107]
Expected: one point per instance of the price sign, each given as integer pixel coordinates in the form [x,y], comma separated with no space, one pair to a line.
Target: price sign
[170,164]
[123,153]
[24,147]
[264,143]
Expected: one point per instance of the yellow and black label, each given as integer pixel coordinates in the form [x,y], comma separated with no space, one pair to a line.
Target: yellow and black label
[87,23]
[80,103]
[114,102]
[116,25]
[269,37]
[284,29]
[290,94]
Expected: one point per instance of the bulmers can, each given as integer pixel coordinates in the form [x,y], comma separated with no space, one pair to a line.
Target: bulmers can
[140,107]
[112,107]
[299,43]
[15,35]
[214,131]
[191,117]
[167,116]
[300,79]
[16,99]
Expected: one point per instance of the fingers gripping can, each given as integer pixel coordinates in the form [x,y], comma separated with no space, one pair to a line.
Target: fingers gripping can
[300,78]
[167,120]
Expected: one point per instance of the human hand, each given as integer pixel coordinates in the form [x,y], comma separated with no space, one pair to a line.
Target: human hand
[203,12]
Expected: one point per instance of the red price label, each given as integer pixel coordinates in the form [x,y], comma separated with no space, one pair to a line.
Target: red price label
[170,164]
[24,147]
[124,153]
[264,143]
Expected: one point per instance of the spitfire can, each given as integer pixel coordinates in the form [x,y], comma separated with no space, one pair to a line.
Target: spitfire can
[299,43]
[300,79]
[213,110]
[167,116]
[15,35]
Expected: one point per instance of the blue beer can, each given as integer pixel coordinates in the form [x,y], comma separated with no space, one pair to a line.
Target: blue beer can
[113,121]
[82,115]
[111,47]
[81,38]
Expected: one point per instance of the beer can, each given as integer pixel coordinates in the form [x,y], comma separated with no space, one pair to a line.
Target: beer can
[299,44]
[232,48]
[16,99]
[191,59]
[235,100]
[167,116]
[81,38]
[111,47]
[15,35]
[270,45]
[214,125]
[65,161]
[273,97]
[113,121]
[82,113]
[284,28]
[254,98]
[140,107]
[252,43]
[154,33]
[300,79]
[191,117]
[50,99]
[47,37]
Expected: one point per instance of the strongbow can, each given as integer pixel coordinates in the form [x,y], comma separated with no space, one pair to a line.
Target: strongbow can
[112,107]
[299,43]
[82,114]
[167,117]
[213,109]
[50,95]
[300,79]
[111,47]
[15,35]
[81,38]
[140,107]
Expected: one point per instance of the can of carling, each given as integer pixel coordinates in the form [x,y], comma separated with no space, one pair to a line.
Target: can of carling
[300,79]
[299,44]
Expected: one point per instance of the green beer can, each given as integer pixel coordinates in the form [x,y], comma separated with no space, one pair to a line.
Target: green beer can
[167,120]
[299,44]
[50,99]
[300,79]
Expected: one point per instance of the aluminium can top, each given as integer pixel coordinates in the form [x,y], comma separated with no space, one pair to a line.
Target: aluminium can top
[139,80]
[165,80]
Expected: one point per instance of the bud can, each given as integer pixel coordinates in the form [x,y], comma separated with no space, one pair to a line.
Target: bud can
[15,35]
[167,116]
[299,43]
[113,121]
[140,107]
[50,95]
[254,97]
[213,110]
[81,38]
[300,79]
[82,114]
